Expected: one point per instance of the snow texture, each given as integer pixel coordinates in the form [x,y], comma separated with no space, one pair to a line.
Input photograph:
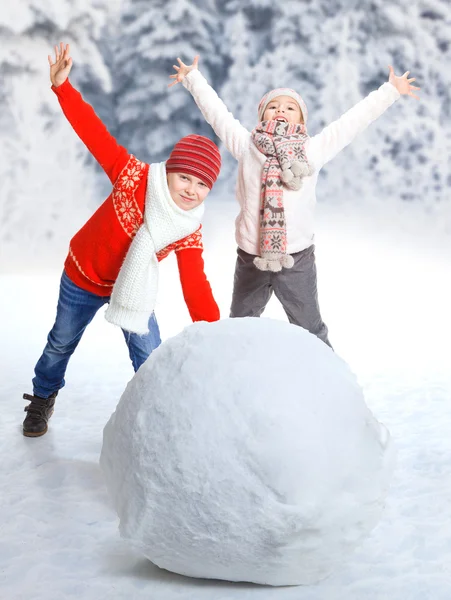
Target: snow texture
[243,450]
[384,288]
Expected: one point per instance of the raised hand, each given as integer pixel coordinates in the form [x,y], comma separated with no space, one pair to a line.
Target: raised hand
[402,84]
[59,70]
[182,70]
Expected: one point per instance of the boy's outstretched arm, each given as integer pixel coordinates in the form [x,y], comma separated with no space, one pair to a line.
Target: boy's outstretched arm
[111,156]
[227,128]
[336,136]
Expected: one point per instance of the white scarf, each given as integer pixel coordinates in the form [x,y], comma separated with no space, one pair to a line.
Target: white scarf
[135,290]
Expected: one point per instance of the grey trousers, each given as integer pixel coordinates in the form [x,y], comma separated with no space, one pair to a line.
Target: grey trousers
[295,288]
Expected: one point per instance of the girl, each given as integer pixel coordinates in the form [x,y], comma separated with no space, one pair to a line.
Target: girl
[278,166]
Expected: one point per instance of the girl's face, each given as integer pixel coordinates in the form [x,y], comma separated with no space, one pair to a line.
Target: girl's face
[186,190]
[283,108]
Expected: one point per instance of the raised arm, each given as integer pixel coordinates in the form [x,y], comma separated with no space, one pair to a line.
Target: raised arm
[111,156]
[227,128]
[336,136]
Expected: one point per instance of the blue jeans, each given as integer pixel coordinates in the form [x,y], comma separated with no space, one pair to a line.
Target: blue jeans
[76,309]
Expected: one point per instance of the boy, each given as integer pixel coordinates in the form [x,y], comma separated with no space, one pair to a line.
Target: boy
[152,210]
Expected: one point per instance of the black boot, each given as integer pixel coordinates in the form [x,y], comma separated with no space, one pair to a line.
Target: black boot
[38,412]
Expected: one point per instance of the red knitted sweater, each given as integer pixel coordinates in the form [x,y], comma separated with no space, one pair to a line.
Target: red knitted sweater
[98,249]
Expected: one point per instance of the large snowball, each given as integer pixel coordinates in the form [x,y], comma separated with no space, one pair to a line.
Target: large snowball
[243,450]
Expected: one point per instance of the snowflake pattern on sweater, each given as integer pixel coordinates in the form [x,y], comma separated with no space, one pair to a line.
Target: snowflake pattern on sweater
[127,209]
[191,241]
[130,215]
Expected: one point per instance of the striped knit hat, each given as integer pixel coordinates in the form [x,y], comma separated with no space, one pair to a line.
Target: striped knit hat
[281,92]
[196,155]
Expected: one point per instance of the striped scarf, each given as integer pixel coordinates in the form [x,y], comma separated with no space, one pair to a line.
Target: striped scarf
[286,165]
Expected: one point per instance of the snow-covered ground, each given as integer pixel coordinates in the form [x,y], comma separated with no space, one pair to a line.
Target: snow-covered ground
[385,292]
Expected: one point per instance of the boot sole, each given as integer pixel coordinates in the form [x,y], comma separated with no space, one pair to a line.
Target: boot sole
[37,433]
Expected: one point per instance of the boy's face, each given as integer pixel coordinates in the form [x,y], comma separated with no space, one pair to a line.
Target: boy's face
[186,190]
[283,108]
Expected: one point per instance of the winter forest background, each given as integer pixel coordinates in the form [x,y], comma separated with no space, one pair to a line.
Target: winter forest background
[332,51]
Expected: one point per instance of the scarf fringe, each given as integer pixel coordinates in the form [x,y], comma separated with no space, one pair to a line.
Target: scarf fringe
[129,320]
[274,264]
[293,175]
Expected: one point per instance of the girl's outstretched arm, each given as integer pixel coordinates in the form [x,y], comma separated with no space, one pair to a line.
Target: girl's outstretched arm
[336,136]
[227,128]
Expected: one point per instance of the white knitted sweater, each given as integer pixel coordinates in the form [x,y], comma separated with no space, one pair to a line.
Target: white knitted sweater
[135,290]
[298,205]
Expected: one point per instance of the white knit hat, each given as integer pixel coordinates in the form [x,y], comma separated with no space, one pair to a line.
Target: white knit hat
[281,92]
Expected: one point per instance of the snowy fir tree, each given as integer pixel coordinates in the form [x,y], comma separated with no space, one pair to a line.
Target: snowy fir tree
[238,75]
[247,31]
[46,187]
[46,190]
[406,152]
[333,52]
[150,37]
